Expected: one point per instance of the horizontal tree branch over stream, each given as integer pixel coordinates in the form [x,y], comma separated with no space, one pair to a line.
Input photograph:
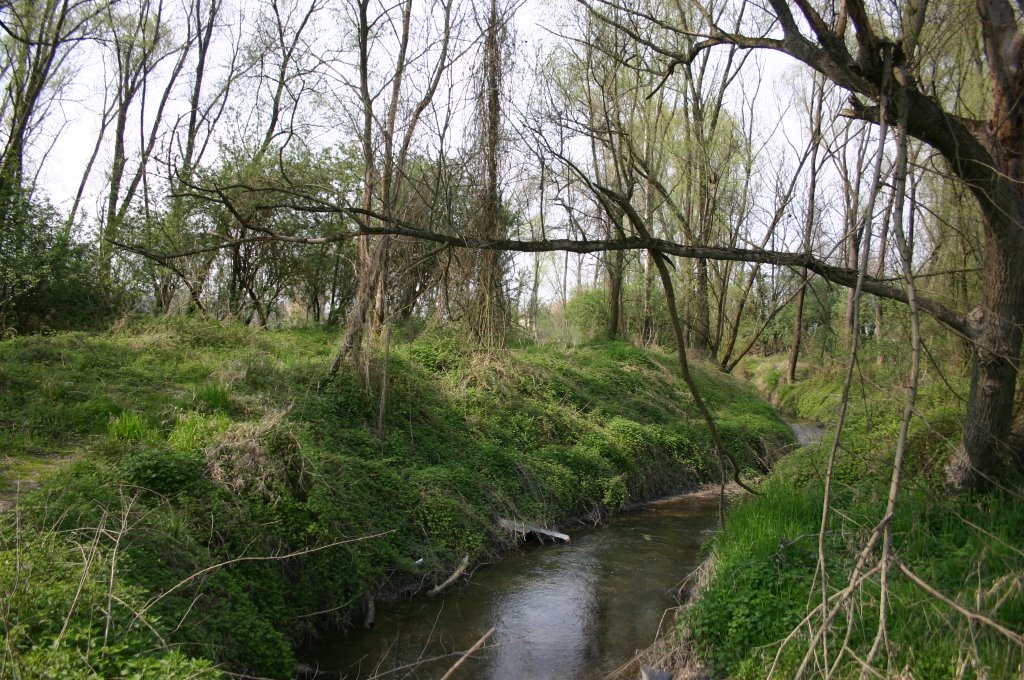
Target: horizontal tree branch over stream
[842,276]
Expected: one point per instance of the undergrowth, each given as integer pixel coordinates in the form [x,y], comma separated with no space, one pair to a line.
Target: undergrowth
[967,547]
[223,502]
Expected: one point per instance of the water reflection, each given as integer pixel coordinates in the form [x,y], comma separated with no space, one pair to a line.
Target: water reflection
[545,620]
[574,610]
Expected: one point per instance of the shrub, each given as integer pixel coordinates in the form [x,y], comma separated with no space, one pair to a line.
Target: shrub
[587,314]
[47,281]
[163,471]
[52,592]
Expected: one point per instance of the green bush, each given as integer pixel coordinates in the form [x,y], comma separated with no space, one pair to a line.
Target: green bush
[48,282]
[438,354]
[587,314]
[52,592]
[762,564]
[164,471]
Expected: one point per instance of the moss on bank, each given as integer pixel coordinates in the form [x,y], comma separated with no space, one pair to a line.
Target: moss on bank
[195,444]
[967,547]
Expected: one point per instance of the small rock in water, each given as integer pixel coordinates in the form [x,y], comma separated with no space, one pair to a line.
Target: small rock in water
[648,673]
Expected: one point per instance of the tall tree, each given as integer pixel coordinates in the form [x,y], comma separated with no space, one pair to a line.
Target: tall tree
[986,155]
[489,310]
[139,40]
[38,41]
[390,112]
[810,217]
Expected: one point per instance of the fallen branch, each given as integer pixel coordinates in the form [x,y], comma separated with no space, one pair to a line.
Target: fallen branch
[453,578]
[520,528]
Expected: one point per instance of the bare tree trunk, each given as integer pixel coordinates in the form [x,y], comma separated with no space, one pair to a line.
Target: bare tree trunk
[533,308]
[817,104]
[383,178]
[701,331]
[883,247]
[615,269]
[490,306]
[366,255]
[204,16]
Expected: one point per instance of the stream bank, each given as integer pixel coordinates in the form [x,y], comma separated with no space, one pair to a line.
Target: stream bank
[196,443]
[558,612]
[964,547]
[673,651]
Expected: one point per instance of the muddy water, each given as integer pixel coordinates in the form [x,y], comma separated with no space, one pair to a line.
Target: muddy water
[576,610]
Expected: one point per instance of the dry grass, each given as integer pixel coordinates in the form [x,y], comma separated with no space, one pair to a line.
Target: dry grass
[242,463]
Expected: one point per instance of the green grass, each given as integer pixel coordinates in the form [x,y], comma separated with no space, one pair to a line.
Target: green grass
[966,547]
[194,443]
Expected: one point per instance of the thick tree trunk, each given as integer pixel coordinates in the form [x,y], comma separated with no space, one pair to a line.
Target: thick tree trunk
[999,326]
[998,323]
[489,310]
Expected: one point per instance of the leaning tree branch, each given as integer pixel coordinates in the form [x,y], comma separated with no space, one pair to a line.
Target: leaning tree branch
[842,276]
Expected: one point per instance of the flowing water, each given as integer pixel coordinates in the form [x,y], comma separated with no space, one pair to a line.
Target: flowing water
[573,610]
[567,611]
[806,432]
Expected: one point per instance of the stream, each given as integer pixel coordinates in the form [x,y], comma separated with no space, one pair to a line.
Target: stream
[572,610]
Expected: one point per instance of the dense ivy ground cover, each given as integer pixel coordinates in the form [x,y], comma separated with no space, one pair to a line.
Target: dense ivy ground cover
[199,460]
[968,547]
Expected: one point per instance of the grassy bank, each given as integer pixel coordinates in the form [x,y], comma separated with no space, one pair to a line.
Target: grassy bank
[967,548]
[209,500]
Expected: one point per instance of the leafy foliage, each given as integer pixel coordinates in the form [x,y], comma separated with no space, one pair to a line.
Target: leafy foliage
[47,280]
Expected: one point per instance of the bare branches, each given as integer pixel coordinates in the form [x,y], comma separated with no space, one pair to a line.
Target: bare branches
[393,226]
[974,616]
[253,558]
[468,653]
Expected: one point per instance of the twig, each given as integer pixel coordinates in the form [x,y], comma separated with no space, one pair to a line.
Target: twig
[1013,637]
[906,256]
[86,569]
[477,645]
[213,567]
